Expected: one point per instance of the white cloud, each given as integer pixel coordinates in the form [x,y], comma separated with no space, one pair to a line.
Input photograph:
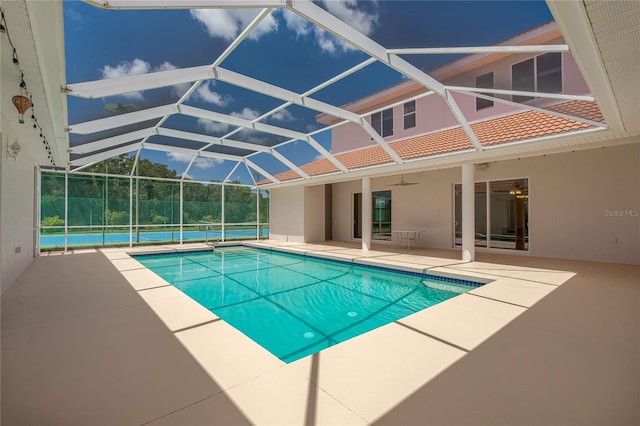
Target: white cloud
[137,67]
[207,95]
[318,157]
[166,66]
[246,113]
[227,24]
[328,43]
[256,139]
[180,89]
[177,89]
[347,11]
[297,24]
[199,162]
[212,126]
[282,115]
[215,127]
[207,162]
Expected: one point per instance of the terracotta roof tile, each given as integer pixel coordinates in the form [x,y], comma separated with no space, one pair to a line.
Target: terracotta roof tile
[288,175]
[525,125]
[511,128]
[583,109]
[364,157]
[319,167]
[435,143]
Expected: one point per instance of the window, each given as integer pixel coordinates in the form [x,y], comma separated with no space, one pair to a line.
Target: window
[501,214]
[381,228]
[523,78]
[549,73]
[484,81]
[376,122]
[382,122]
[410,115]
[542,74]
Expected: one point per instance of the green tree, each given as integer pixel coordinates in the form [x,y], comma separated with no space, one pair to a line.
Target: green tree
[52,221]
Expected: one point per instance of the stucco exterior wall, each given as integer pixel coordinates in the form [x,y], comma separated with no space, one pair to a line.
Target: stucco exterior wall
[17,185]
[298,214]
[286,214]
[342,211]
[583,204]
[433,114]
[314,213]
[575,197]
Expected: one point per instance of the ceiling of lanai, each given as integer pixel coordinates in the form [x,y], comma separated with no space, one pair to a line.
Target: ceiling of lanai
[214,109]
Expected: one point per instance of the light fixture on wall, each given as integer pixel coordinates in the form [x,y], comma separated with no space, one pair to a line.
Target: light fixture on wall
[22,104]
[13,150]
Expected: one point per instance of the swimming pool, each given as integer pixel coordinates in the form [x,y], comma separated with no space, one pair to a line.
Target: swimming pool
[97,239]
[295,305]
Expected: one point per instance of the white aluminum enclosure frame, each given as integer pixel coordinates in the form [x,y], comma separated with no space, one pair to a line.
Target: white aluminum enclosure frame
[108,147]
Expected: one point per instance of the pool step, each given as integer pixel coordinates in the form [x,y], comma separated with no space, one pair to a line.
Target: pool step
[451,287]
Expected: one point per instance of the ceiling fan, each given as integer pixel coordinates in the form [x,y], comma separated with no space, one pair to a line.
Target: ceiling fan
[402,182]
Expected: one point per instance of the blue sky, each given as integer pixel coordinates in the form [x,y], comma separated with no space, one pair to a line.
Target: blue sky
[284,50]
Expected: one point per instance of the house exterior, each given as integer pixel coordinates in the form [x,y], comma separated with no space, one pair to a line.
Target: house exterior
[544,185]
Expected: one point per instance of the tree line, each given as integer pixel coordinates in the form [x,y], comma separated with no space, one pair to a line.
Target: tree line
[96,200]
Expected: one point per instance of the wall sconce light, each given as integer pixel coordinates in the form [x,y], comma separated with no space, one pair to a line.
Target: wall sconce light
[13,150]
[22,104]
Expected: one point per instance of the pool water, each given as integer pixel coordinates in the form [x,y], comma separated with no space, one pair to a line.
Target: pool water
[295,305]
[98,238]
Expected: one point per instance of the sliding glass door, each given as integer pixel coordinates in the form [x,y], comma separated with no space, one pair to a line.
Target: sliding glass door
[501,214]
[381,215]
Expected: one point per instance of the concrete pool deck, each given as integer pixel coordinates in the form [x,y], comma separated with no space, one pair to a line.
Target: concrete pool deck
[92,337]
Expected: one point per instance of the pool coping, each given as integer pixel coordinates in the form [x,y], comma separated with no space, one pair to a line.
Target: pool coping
[467,280]
[235,362]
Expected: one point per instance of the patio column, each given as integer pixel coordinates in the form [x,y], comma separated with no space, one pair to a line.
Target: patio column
[468,213]
[367,205]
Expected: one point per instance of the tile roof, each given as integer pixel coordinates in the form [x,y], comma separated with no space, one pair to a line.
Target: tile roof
[371,156]
[319,167]
[432,144]
[583,109]
[511,128]
[288,175]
